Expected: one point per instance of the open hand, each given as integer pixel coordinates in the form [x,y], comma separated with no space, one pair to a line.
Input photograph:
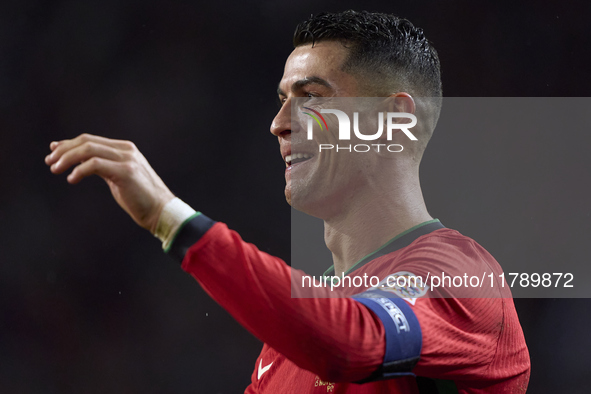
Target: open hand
[134,184]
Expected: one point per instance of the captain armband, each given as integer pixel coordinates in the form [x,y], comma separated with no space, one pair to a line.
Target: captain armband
[404,339]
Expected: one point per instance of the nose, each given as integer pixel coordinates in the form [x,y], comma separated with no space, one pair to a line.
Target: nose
[281,125]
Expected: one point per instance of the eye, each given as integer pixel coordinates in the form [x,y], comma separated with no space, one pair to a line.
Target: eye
[312,98]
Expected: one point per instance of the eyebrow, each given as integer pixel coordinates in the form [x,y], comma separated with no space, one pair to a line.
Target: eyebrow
[305,82]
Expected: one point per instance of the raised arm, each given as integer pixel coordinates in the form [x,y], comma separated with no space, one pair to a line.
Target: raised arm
[340,339]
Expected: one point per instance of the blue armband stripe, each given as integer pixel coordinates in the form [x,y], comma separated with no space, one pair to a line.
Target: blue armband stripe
[404,339]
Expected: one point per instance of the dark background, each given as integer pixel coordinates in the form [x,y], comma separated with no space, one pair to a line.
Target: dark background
[90,304]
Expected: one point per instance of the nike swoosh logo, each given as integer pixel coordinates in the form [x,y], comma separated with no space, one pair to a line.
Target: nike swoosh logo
[261,369]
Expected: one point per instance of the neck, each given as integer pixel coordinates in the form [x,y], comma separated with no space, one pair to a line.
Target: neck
[371,219]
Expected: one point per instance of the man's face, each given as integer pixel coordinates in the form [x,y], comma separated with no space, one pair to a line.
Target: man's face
[312,72]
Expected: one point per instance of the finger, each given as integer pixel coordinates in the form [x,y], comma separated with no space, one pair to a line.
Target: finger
[60,147]
[106,169]
[84,152]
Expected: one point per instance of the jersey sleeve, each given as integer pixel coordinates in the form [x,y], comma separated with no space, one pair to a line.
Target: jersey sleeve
[365,338]
[461,325]
[402,330]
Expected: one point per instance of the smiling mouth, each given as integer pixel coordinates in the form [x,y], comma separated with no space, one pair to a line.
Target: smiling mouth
[297,158]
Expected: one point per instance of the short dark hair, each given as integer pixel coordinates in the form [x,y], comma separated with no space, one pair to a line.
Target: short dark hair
[381,45]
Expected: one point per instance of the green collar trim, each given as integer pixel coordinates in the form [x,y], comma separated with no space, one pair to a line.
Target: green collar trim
[398,242]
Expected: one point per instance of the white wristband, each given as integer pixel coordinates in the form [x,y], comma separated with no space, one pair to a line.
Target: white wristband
[173,215]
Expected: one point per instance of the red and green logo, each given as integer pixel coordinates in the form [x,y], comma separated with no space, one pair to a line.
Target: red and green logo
[316,117]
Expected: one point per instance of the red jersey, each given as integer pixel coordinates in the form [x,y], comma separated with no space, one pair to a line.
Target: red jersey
[387,339]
